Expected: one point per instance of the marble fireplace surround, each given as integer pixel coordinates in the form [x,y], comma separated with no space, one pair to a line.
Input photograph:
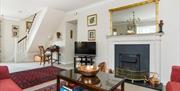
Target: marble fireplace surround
[154,40]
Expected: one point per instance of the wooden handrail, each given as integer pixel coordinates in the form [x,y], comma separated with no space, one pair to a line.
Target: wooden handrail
[32,21]
[34,17]
[29,30]
[22,39]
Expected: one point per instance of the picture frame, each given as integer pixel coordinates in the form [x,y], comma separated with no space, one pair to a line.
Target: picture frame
[71,34]
[15,30]
[28,25]
[92,35]
[92,20]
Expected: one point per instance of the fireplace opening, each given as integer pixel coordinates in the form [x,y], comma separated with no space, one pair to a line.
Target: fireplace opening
[132,61]
[129,61]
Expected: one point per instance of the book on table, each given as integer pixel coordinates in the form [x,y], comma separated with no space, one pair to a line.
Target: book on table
[65,88]
[76,88]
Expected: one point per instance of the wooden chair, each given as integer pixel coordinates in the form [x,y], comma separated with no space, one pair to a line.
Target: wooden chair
[103,68]
[44,57]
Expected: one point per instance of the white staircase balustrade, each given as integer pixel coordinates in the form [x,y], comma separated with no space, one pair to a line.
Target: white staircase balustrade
[45,23]
[21,50]
[34,28]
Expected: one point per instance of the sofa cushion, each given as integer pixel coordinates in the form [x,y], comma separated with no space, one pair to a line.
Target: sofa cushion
[8,85]
[173,86]
[175,73]
[4,72]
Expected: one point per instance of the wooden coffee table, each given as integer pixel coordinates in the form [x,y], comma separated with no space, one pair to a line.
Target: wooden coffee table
[101,82]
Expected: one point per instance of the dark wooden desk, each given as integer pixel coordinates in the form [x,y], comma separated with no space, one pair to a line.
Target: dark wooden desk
[54,49]
[106,81]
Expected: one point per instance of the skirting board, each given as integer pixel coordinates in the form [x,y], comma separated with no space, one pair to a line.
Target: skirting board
[66,62]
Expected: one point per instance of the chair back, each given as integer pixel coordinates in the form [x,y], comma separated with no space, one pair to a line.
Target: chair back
[102,67]
[42,51]
[47,52]
[175,74]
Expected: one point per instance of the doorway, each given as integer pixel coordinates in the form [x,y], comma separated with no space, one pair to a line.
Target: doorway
[71,37]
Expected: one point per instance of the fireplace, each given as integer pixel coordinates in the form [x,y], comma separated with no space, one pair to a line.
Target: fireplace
[152,42]
[132,60]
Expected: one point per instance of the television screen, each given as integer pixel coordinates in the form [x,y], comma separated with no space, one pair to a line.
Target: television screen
[85,48]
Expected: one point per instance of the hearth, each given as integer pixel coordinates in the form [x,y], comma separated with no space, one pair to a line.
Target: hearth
[132,61]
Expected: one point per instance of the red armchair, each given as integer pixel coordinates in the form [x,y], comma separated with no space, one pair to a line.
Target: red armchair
[6,84]
[174,84]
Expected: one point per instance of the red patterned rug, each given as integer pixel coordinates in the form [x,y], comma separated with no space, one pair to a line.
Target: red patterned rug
[29,78]
[48,88]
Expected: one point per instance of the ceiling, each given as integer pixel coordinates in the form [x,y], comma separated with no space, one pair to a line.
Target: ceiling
[25,8]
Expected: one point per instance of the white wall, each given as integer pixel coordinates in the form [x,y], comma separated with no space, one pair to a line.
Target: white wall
[7,41]
[169,12]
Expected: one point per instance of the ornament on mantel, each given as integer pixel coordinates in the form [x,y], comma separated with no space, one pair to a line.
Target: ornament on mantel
[161,26]
[114,32]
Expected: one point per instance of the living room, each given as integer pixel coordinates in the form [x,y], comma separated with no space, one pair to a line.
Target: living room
[60,26]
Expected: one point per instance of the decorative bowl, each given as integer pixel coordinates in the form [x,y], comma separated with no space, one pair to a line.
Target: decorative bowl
[88,70]
[89,80]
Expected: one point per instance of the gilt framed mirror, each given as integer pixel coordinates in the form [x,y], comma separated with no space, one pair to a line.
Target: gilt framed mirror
[137,18]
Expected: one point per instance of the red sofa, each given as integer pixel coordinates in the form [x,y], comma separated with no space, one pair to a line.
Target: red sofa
[6,84]
[174,84]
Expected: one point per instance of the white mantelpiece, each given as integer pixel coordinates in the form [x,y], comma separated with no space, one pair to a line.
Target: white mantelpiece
[155,35]
[154,40]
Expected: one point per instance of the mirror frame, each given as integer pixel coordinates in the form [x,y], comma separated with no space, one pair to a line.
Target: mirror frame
[135,5]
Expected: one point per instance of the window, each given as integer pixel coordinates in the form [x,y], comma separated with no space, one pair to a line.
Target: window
[146,29]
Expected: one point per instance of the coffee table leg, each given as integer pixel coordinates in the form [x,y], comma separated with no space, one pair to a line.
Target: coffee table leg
[58,83]
[122,86]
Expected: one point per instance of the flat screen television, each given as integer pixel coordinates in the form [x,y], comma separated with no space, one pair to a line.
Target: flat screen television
[85,48]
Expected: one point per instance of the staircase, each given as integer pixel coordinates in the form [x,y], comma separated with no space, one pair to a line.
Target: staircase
[21,50]
[45,23]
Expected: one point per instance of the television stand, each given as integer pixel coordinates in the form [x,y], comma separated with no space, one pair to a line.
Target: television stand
[83,60]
